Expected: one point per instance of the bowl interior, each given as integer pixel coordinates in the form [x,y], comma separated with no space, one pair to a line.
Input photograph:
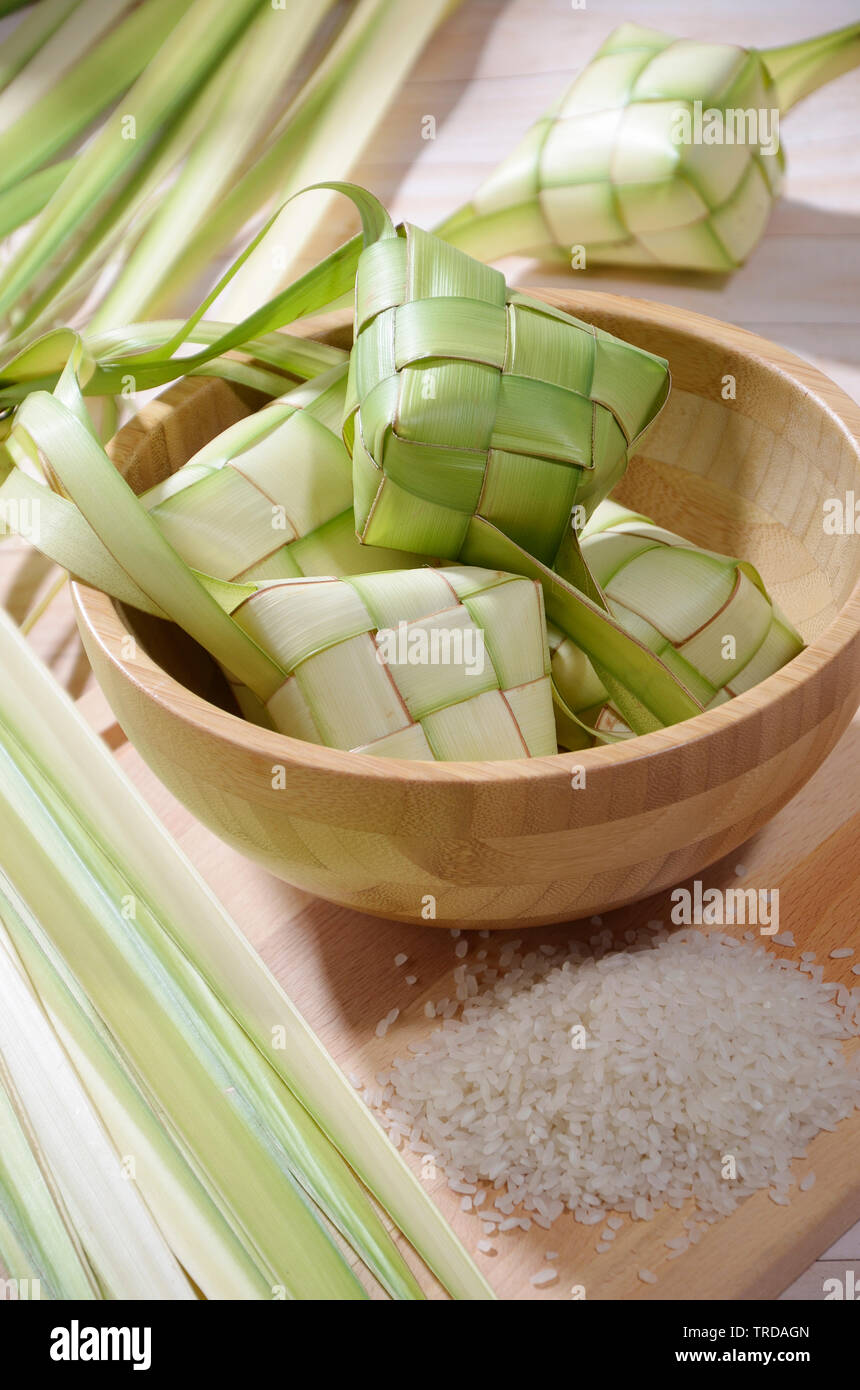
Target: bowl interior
[742,460]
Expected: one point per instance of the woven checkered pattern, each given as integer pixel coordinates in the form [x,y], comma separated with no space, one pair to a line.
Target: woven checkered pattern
[466,399]
[604,168]
[277,506]
[720,634]
[352,683]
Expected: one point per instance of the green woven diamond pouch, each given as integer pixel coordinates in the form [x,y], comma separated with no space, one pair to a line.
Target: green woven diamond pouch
[663,152]
[271,497]
[612,168]
[708,617]
[424,663]
[469,400]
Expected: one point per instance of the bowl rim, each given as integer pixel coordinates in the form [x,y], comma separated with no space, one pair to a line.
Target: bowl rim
[101,619]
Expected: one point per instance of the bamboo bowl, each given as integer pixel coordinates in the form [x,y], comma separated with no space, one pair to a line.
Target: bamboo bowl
[512,844]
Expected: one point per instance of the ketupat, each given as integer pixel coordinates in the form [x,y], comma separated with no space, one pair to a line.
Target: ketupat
[426,663]
[709,617]
[260,631]
[479,418]
[99,522]
[470,403]
[623,166]
[271,497]
[555,416]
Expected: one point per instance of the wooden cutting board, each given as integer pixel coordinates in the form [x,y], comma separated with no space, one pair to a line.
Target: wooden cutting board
[338,966]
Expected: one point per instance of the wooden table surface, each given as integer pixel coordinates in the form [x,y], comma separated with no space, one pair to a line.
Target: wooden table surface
[488,73]
[339,968]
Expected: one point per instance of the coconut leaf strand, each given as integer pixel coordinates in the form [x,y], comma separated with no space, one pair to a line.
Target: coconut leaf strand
[185,1043]
[322,133]
[241,105]
[197,43]
[185,80]
[87,82]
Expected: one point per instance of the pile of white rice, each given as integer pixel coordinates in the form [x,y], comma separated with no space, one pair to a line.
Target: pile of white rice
[703,1056]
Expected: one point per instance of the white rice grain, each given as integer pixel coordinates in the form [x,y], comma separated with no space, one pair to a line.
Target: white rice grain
[697,1045]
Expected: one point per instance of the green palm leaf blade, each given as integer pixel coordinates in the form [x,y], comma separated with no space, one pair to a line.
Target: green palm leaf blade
[35,1243]
[798,69]
[187,1071]
[201,1236]
[197,42]
[83,845]
[82,1186]
[30,34]
[293,1150]
[89,85]
[27,197]
[622,168]
[708,617]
